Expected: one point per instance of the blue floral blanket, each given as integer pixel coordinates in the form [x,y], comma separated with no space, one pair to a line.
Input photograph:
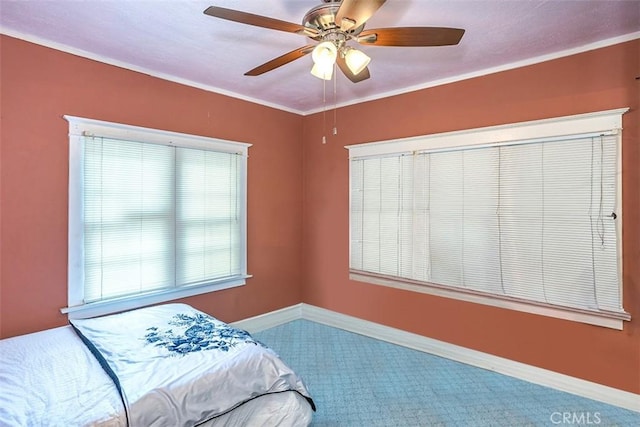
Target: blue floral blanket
[177,366]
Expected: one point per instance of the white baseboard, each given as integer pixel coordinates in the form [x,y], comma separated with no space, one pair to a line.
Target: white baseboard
[476,358]
[271,319]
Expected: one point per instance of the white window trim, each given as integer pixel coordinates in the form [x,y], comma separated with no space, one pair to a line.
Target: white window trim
[596,123]
[80,127]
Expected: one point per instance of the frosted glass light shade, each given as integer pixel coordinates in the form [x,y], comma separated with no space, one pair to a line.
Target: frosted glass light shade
[356,60]
[322,71]
[324,54]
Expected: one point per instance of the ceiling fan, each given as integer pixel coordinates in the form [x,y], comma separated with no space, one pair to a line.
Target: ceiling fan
[335,23]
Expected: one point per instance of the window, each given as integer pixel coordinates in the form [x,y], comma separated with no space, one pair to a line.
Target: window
[525,216]
[153,216]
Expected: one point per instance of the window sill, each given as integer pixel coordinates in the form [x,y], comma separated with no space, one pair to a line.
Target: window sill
[613,320]
[101,308]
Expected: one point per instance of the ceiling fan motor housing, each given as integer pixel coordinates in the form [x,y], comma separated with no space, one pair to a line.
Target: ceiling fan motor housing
[323,18]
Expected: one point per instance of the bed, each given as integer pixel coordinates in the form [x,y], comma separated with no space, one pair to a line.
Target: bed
[169,365]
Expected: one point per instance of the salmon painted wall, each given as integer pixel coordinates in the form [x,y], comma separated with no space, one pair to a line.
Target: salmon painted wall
[592,81]
[39,86]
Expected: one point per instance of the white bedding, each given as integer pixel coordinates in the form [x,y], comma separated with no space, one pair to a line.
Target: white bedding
[52,378]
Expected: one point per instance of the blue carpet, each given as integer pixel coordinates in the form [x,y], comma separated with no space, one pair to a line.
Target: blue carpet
[360,381]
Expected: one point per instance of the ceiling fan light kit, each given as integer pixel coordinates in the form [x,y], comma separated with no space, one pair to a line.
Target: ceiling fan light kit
[333,24]
[325,54]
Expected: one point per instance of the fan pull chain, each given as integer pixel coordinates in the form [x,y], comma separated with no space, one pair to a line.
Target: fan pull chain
[324,110]
[335,99]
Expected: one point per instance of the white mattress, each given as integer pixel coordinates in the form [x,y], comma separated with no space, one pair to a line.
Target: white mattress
[288,409]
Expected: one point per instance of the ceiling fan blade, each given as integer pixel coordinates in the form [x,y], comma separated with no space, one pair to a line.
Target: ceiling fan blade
[355,78]
[353,13]
[280,61]
[411,36]
[258,20]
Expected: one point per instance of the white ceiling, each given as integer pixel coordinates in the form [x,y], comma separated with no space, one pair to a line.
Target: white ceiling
[176,41]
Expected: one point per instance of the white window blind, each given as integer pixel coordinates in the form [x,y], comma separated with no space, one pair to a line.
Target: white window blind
[153,214]
[524,221]
[208,223]
[128,218]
